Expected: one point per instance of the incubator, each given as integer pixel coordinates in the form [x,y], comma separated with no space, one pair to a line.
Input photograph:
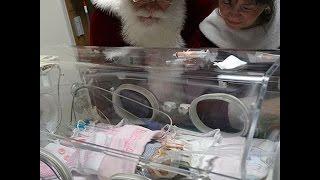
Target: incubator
[136,113]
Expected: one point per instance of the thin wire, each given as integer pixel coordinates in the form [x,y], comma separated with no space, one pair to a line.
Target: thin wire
[59,102]
[101,89]
[121,107]
[104,115]
[126,110]
[74,114]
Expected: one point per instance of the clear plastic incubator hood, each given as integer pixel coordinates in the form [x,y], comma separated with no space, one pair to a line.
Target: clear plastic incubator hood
[135,113]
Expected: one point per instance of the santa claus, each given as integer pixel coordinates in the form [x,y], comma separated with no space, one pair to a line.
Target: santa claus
[147,23]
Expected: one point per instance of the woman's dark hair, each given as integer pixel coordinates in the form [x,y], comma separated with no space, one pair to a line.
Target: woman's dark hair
[267,14]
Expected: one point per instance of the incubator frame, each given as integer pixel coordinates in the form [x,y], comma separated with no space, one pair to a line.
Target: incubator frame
[250,117]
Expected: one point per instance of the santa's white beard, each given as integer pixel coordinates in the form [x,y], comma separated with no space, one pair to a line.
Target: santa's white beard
[164,33]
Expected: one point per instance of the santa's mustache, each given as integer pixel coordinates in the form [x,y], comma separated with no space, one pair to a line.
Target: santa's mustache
[155,14]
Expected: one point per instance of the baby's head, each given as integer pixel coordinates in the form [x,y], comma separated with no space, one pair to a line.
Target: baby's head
[243,14]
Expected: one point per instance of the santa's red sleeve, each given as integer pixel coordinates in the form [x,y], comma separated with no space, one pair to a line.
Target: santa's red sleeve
[197,11]
[105,30]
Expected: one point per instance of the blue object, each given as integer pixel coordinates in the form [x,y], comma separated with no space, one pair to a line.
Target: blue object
[152,125]
[81,125]
[87,121]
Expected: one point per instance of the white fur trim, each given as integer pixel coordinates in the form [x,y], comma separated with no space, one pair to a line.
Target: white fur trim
[112,6]
[166,33]
[261,37]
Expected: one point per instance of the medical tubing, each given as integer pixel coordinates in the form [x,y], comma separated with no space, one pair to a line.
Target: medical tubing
[99,88]
[131,157]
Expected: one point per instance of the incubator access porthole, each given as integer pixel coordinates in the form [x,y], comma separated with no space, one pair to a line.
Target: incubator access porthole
[210,111]
[59,169]
[121,176]
[134,100]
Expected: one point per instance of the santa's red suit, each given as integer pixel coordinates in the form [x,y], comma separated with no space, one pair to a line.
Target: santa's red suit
[106,26]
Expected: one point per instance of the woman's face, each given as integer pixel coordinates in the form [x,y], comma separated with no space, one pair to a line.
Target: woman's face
[240,14]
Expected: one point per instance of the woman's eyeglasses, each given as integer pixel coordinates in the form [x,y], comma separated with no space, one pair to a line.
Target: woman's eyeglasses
[245,8]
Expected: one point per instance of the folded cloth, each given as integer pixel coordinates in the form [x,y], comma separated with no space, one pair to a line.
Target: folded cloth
[228,161]
[194,141]
[128,138]
[46,172]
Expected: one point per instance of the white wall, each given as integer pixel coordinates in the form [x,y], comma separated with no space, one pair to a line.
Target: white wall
[55,27]
[55,34]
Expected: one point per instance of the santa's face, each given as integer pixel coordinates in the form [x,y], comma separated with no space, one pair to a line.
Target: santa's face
[148,23]
[149,12]
[152,23]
